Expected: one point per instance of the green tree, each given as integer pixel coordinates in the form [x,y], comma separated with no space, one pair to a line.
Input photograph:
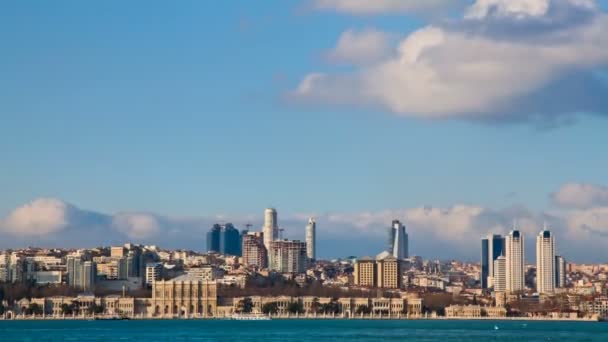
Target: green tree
[315,306]
[295,307]
[270,308]
[245,305]
[332,307]
[363,309]
[34,309]
[95,309]
[67,309]
[1,309]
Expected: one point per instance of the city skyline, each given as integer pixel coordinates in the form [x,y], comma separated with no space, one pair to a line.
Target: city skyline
[150,123]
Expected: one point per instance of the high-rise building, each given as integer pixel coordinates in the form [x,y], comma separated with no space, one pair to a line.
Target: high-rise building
[491,248]
[560,272]
[365,272]
[311,231]
[81,274]
[254,251]
[271,227]
[224,239]
[545,262]
[154,273]
[515,261]
[388,271]
[500,274]
[288,256]
[398,240]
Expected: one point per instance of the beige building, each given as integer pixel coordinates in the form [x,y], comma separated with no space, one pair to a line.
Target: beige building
[349,307]
[384,272]
[474,311]
[365,272]
[388,272]
[183,296]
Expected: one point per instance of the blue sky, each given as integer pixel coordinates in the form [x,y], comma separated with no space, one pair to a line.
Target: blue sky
[182,109]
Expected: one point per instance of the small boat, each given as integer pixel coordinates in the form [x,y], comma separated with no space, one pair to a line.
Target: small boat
[250,317]
[496,327]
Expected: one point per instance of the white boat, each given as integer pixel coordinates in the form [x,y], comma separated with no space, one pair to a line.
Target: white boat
[250,317]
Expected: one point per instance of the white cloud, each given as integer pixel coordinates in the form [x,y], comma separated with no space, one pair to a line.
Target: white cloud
[581,196]
[588,224]
[137,226]
[361,47]
[39,217]
[447,232]
[372,7]
[506,60]
[517,8]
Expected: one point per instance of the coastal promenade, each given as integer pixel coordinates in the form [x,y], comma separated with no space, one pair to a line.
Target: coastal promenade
[303,317]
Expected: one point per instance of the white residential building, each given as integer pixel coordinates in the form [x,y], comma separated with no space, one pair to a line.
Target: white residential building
[515,262]
[545,262]
[500,277]
[311,233]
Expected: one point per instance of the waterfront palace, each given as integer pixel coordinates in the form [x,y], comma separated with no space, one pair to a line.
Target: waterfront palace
[185,297]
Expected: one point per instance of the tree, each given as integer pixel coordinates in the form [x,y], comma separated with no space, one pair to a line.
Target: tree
[331,307]
[363,309]
[34,309]
[245,305]
[295,307]
[1,309]
[67,309]
[95,309]
[270,308]
[315,306]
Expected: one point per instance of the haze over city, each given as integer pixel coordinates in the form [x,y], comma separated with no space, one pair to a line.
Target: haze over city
[149,123]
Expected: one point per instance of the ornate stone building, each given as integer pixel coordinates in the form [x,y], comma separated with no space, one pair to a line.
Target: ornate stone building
[183,296]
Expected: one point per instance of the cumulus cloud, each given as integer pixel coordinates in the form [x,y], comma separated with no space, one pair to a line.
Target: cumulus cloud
[505,60]
[589,223]
[137,226]
[581,196]
[39,217]
[361,47]
[367,7]
[435,232]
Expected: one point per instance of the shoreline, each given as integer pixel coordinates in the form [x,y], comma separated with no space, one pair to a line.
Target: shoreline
[518,319]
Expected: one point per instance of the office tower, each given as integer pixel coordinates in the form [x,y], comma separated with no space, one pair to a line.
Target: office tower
[271,230]
[311,231]
[213,239]
[288,256]
[560,272]
[81,274]
[398,240]
[365,272]
[154,272]
[88,275]
[254,251]
[122,268]
[545,262]
[5,268]
[514,254]
[388,271]
[224,239]
[491,248]
[500,276]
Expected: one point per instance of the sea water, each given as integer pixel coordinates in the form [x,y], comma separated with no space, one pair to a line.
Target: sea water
[301,330]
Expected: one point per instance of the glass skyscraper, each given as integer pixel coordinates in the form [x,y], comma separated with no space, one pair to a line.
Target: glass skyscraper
[224,239]
[491,248]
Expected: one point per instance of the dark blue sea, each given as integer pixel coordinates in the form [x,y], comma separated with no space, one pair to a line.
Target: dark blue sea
[301,330]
